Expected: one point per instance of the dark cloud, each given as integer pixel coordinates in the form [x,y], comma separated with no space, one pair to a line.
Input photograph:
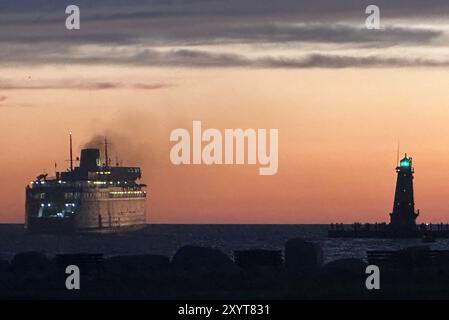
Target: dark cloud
[32,32]
[334,61]
[221,34]
[204,59]
[85,85]
[99,10]
[179,21]
[207,59]
[345,61]
[64,38]
[151,86]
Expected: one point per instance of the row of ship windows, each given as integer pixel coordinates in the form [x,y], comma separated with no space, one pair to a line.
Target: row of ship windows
[136,170]
[89,195]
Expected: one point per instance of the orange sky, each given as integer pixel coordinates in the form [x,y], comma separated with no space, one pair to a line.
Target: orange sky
[338,132]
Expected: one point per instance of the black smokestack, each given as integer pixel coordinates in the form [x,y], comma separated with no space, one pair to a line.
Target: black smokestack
[90,159]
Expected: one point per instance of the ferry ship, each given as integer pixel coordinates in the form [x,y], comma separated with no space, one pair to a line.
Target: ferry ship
[94,197]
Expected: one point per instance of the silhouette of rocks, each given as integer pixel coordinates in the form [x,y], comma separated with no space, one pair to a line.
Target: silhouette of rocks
[31,263]
[4,266]
[201,259]
[302,256]
[88,263]
[256,258]
[412,257]
[206,273]
[137,264]
[349,268]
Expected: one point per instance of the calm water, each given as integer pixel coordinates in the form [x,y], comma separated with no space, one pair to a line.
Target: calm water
[166,239]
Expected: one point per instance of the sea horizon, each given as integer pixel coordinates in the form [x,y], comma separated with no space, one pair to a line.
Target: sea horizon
[166,239]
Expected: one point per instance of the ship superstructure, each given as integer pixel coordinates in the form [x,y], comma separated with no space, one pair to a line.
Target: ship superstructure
[93,197]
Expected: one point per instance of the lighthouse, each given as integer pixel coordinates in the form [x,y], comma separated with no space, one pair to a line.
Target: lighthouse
[403,217]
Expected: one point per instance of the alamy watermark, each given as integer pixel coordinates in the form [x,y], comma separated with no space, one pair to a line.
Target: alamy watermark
[72,282]
[372,22]
[226,148]
[372,282]
[73,21]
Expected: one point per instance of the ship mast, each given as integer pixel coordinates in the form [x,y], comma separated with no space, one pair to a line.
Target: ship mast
[71,153]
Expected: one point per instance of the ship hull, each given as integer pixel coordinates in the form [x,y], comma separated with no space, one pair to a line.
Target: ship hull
[110,215]
[37,225]
[47,226]
[96,211]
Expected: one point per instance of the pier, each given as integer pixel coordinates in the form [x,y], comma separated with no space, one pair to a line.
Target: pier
[383,230]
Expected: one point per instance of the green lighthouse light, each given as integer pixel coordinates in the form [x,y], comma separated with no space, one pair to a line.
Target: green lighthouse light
[405,163]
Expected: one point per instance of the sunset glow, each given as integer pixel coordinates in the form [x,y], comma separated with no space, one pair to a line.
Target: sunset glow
[339,125]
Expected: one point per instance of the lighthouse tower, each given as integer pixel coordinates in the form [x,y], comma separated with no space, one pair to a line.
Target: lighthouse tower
[403,217]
